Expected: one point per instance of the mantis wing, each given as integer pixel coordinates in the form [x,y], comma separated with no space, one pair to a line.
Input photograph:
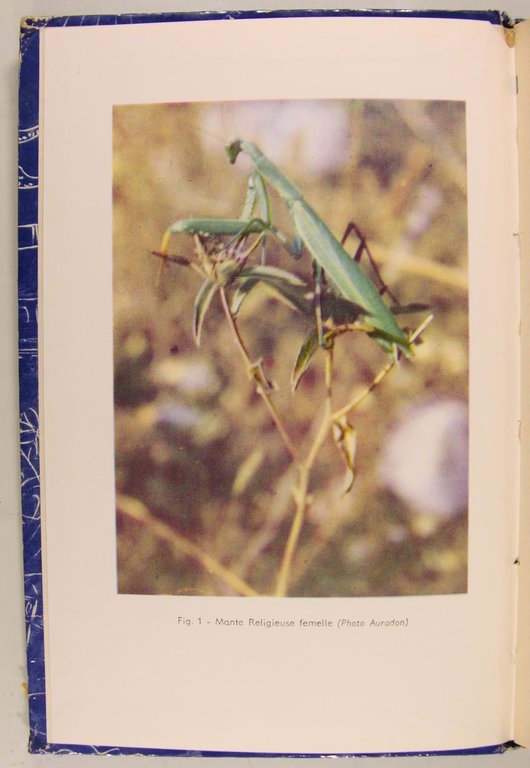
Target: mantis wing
[347,277]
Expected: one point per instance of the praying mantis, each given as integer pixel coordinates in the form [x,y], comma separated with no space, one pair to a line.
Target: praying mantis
[343,299]
[354,301]
[351,287]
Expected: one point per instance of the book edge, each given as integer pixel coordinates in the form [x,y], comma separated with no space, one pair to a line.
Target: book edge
[522,649]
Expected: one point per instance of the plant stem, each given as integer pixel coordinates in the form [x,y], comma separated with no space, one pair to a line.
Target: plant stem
[137,511]
[383,373]
[302,488]
[329,418]
[261,386]
[356,401]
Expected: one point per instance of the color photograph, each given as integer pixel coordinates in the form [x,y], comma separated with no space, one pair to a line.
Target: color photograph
[291,348]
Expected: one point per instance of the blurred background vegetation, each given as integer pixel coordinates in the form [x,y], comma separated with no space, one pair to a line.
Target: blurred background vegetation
[200,468]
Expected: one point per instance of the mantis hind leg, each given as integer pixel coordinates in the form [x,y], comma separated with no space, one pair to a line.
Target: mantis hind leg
[364,248]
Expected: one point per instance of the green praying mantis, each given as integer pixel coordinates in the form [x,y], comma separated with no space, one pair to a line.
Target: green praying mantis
[341,299]
[353,301]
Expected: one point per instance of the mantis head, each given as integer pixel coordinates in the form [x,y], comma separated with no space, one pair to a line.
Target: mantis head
[233,149]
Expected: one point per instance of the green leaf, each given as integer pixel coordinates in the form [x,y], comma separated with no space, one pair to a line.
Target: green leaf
[345,437]
[307,350]
[202,302]
[241,294]
[309,346]
[273,274]
[286,285]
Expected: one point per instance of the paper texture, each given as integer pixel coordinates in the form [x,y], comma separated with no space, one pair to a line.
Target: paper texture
[130,669]
[522,729]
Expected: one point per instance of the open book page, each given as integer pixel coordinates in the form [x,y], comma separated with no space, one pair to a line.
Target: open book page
[522,721]
[158,630]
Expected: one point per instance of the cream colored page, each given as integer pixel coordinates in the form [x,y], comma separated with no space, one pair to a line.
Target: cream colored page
[129,669]
[522,711]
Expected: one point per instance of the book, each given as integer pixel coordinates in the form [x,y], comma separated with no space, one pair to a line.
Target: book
[273,339]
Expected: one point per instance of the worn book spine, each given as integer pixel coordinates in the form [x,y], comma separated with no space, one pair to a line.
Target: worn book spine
[28,201]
